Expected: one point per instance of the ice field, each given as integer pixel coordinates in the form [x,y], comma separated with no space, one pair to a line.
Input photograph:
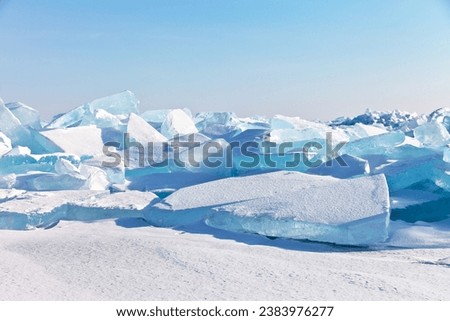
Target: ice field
[186,192]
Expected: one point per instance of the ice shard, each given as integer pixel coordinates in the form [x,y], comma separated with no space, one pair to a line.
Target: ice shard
[178,123]
[122,103]
[26,115]
[432,134]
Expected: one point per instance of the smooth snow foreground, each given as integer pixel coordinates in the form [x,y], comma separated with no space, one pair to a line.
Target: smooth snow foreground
[129,261]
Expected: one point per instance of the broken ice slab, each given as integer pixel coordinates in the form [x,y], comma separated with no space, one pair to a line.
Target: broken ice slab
[28,210]
[16,164]
[96,178]
[63,166]
[178,122]
[206,156]
[23,136]
[374,145]
[10,126]
[359,131]
[406,151]
[432,134]
[20,210]
[290,129]
[115,174]
[404,173]
[102,119]
[23,163]
[105,206]
[155,117]
[26,115]
[121,103]
[286,122]
[70,140]
[142,132]
[43,181]
[285,204]
[344,166]
[216,124]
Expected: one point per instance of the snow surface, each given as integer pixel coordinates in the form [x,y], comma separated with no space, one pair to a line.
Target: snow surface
[129,260]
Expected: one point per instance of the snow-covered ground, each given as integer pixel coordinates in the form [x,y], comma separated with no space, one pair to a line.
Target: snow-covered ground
[127,259]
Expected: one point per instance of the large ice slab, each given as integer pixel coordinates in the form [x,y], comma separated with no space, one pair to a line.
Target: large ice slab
[285,204]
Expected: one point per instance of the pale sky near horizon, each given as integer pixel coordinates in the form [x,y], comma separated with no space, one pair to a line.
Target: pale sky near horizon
[315,59]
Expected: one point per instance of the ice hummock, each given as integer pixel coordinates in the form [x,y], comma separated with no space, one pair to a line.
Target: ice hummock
[67,155]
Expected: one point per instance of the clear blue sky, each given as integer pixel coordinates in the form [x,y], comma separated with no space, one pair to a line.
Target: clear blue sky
[314,59]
